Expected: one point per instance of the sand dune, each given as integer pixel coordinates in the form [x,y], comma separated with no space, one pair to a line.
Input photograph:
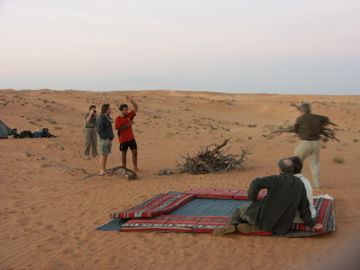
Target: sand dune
[48,214]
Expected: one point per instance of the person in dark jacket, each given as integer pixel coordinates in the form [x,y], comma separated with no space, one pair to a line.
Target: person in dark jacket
[105,135]
[276,212]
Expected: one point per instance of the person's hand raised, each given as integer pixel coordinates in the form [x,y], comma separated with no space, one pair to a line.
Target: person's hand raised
[130,98]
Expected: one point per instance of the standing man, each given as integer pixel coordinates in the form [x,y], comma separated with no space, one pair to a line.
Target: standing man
[123,124]
[308,127]
[90,133]
[106,135]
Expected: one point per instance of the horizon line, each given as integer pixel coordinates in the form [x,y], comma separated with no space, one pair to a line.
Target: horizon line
[235,92]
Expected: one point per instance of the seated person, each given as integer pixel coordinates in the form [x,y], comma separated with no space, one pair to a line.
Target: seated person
[276,212]
[298,166]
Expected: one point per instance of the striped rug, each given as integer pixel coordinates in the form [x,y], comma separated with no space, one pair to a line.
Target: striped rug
[188,212]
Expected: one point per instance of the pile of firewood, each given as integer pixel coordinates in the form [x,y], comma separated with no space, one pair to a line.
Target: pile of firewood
[211,159]
[326,132]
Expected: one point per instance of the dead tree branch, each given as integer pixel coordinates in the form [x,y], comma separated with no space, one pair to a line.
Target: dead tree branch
[211,159]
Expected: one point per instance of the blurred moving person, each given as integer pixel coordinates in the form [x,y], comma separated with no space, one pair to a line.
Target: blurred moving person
[308,127]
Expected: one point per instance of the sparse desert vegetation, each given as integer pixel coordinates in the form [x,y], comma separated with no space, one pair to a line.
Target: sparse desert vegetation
[339,160]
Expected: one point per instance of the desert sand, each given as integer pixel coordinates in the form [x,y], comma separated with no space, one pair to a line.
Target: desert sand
[48,213]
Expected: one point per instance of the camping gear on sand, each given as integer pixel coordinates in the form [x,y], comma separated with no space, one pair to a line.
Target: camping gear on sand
[5,131]
[202,210]
[26,134]
[42,133]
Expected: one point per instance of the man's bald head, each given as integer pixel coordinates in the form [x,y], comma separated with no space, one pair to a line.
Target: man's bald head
[286,165]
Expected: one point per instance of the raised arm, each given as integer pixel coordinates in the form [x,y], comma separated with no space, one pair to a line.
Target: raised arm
[88,118]
[259,184]
[133,103]
[90,114]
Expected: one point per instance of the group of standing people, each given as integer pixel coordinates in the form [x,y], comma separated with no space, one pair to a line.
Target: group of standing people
[289,198]
[99,133]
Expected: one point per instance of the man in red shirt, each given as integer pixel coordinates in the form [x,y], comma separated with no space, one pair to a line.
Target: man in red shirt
[123,124]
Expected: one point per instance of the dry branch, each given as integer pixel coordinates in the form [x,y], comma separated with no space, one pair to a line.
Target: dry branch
[119,170]
[211,159]
[326,132]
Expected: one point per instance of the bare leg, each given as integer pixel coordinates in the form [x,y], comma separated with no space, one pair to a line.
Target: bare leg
[123,158]
[134,159]
[103,159]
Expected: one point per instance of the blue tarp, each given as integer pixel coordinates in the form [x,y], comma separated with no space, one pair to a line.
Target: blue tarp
[196,207]
[113,225]
[209,207]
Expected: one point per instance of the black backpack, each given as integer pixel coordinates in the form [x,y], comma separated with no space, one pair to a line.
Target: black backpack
[26,134]
[45,133]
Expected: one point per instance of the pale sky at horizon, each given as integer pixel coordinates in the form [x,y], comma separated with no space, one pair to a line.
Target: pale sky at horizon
[233,46]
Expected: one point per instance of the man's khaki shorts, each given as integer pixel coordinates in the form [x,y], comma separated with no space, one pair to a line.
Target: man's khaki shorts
[104,147]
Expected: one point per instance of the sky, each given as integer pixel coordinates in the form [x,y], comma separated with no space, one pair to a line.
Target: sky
[272,46]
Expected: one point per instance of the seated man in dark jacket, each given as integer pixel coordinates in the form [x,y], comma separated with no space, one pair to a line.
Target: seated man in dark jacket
[275,213]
